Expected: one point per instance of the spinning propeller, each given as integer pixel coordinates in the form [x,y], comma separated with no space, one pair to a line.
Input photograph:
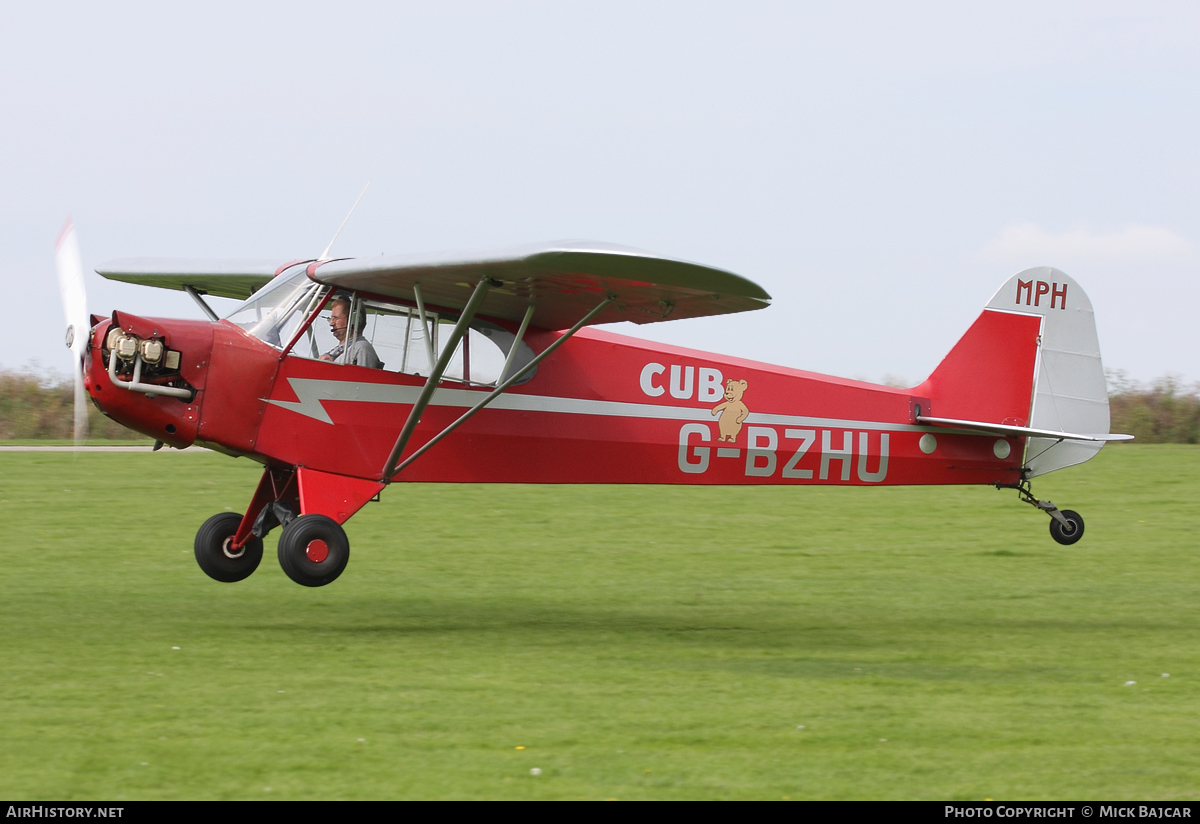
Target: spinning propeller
[74,300]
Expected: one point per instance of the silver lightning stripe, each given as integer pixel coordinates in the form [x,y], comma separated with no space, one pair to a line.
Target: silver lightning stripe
[313,393]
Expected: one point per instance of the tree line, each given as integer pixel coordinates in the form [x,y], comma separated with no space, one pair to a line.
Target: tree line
[38,406]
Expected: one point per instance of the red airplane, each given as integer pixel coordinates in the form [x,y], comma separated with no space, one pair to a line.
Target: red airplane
[344,376]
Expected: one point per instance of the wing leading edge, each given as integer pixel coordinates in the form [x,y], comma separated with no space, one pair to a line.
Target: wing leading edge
[563,281]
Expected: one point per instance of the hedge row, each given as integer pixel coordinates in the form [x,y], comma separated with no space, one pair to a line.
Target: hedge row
[1164,412]
[40,407]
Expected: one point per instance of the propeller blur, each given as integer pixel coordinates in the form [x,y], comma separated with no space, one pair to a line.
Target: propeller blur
[74,301]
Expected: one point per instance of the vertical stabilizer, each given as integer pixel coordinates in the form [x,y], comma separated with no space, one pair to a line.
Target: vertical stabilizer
[1069,391]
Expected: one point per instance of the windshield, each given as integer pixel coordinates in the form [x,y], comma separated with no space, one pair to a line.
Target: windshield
[394,335]
[275,312]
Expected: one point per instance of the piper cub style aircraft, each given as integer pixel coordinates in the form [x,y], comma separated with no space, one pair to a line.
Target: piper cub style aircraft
[344,376]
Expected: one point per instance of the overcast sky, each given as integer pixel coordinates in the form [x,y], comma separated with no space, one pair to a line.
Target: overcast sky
[879,168]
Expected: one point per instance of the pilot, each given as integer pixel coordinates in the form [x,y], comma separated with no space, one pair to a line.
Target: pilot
[358,349]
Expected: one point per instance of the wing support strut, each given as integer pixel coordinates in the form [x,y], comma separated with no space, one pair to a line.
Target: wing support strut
[425,331]
[512,351]
[194,293]
[460,329]
[499,390]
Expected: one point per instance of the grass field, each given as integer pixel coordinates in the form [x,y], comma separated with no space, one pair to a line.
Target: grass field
[142,442]
[636,642]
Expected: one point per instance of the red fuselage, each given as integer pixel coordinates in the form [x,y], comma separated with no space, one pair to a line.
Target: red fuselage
[604,408]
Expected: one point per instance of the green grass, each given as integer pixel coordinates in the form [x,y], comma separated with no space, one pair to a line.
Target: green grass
[661,642]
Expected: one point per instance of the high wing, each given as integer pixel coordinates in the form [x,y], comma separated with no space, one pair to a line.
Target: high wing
[224,278]
[562,280]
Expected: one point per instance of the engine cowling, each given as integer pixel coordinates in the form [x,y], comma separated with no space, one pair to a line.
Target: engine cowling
[149,374]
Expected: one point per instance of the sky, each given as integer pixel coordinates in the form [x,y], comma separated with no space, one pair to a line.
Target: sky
[879,168]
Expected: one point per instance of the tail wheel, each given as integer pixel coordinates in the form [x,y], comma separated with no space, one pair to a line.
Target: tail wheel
[215,553]
[1067,535]
[313,550]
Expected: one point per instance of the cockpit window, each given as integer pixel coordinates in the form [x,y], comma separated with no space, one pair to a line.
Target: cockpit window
[398,341]
[275,312]
[482,352]
[404,344]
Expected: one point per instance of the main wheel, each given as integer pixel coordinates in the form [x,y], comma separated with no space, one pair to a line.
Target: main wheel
[1064,535]
[215,553]
[313,550]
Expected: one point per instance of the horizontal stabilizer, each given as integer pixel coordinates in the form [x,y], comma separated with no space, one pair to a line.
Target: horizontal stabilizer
[1018,431]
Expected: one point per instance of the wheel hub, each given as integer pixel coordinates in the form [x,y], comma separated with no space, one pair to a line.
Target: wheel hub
[317,551]
[230,552]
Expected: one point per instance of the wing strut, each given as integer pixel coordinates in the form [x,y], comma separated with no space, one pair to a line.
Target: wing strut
[204,307]
[460,329]
[499,390]
[512,351]
[425,333]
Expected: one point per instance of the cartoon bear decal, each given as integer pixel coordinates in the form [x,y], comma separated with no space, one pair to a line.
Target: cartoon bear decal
[733,412]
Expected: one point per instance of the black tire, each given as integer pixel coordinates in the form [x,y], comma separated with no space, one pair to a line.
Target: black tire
[313,550]
[1064,536]
[215,556]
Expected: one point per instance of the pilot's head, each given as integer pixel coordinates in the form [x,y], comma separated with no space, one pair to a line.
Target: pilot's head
[339,318]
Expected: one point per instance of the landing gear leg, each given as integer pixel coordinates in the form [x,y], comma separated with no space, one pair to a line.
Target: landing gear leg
[1066,525]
